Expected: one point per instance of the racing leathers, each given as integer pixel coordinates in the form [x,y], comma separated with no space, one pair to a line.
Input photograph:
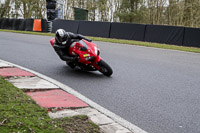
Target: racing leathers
[63,49]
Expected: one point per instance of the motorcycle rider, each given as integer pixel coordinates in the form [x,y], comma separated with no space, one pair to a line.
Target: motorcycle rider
[63,40]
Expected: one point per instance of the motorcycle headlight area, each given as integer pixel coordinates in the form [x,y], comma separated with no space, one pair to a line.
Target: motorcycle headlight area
[88,57]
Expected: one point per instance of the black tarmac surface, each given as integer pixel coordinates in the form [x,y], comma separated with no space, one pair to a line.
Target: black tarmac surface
[157,90]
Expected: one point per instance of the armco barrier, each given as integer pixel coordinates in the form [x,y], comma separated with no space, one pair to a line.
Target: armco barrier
[164,34]
[68,25]
[192,37]
[127,31]
[98,29]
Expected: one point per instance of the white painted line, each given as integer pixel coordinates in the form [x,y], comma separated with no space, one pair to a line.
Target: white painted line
[108,113]
[2,64]
[114,128]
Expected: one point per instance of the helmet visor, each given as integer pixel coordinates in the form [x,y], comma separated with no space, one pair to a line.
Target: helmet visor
[59,39]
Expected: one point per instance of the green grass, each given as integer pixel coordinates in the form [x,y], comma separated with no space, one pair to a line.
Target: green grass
[19,113]
[77,124]
[139,43]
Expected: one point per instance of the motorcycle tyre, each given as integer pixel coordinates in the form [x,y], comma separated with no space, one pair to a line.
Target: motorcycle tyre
[105,68]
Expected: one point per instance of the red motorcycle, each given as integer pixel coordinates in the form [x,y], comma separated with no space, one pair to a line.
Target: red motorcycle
[88,56]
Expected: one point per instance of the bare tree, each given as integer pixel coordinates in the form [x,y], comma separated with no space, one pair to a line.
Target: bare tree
[5,9]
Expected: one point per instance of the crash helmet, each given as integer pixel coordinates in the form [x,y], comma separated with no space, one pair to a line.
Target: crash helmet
[60,36]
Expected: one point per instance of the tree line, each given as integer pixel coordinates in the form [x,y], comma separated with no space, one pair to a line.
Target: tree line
[161,12]
[22,9]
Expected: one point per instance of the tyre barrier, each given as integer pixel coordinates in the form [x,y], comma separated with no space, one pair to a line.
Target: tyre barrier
[0,23]
[44,25]
[16,24]
[175,35]
[68,25]
[97,29]
[24,24]
[128,31]
[5,24]
[10,22]
[164,34]
[192,37]
[29,25]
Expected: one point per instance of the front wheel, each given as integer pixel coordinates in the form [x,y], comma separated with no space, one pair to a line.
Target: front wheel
[105,68]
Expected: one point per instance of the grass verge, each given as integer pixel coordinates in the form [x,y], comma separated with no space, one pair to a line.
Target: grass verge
[19,113]
[139,43]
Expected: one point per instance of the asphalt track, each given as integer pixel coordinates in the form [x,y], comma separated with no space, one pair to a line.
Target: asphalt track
[157,90]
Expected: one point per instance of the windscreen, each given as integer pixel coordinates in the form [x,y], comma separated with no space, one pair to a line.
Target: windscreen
[85,46]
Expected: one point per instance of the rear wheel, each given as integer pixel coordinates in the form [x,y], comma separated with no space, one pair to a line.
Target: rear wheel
[105,68]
